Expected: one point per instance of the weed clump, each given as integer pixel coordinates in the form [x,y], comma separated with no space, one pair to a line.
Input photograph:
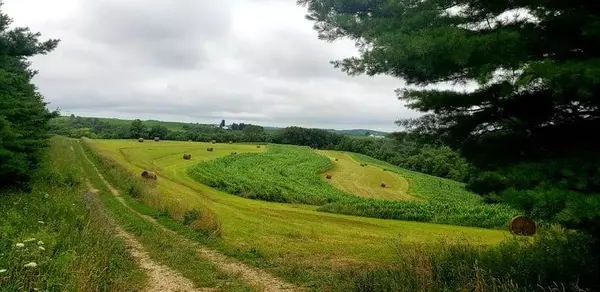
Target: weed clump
[190,216]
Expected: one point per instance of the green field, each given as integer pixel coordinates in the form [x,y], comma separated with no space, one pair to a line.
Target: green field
[293,174]
[282,237]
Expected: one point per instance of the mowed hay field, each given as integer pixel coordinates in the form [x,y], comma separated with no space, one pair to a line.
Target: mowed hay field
[292,239]
[353,177]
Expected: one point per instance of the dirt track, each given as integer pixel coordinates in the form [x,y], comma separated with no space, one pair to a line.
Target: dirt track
[163,278]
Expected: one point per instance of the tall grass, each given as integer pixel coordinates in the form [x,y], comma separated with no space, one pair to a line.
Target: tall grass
[207,223]
[54,239]
[554,260]
[291,174]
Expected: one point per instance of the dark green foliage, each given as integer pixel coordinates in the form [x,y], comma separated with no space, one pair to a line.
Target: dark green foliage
[315,138]
[555,258]
[138,129]
[529,123]
[23,113]
[293,175]
[159,131]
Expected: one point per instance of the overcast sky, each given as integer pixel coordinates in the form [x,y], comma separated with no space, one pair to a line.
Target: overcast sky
[202,61]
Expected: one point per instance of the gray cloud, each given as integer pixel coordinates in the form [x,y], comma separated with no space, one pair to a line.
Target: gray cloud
[200,61]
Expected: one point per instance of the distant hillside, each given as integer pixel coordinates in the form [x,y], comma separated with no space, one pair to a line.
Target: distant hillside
[173,126]
[351,132]
[178,126]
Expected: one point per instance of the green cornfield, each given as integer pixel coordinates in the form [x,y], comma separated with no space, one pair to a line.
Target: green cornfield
[292,174]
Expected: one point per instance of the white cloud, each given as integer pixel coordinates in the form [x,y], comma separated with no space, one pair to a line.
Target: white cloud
[201,61]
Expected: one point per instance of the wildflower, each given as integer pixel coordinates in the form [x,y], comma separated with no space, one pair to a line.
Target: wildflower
[3,271]
[40,242]
[30,265]
[29,240]
[41,248]
[41,222]
[20,245]
[46,196]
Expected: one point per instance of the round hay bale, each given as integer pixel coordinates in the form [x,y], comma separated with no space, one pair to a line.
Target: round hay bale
[328,176]
[156,139]
[522,225]
[384,169]
[383,185]
[187,156]
[257,146]
[363,164]
[336,159]
[149,175]
[213,141]
[209,149]
[141,140]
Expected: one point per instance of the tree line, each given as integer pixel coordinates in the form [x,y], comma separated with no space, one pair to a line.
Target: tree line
[398,149]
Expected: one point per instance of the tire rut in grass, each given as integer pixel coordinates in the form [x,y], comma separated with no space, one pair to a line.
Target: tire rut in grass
[160,277]
[254,277]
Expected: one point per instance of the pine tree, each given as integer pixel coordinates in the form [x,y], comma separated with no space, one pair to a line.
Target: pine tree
[23,113]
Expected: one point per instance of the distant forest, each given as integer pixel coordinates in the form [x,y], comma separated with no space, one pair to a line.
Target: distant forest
[399,148]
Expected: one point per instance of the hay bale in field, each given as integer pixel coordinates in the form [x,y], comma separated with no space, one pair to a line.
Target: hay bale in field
[187,156]
[257,146]
[230,142]
[522,225]
[141,140]
[383,185]
[213,141]
[209,149]
[149,175]
[336,159]
[363,164]
[156,139]
[328,176]
[384,169]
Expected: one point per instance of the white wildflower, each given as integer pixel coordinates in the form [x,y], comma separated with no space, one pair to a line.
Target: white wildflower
[20,245]
[29,240]
[40,242]
[30,265]
[41,222]
[41,248]
[3,271]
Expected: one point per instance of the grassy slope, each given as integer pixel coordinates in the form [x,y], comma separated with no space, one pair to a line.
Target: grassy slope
[350,177]
[292,174]
[162,246]
[80,252]
[294,241]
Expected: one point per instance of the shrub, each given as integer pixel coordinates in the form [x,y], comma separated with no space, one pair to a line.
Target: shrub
[190,216]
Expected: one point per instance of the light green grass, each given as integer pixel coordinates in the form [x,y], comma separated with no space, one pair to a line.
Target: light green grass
[162,246]
[294,241]
[365,181]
